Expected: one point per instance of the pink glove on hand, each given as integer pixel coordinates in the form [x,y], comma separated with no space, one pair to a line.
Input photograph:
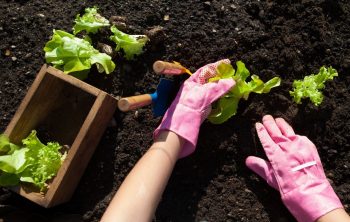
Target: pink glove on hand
[295,169]
[192,105]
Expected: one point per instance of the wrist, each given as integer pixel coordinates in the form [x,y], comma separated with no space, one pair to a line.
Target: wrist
[335,216]
[311,201]
[166,136]
[169,143]
[184,122]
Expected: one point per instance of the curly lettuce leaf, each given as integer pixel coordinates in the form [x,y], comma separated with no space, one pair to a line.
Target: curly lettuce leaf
[311,86]
[74,55]
[43,161]
[90,22]
[33,163]
[132,45]
[227,105]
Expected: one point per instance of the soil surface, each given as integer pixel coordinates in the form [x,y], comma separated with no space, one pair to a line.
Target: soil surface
[289,39]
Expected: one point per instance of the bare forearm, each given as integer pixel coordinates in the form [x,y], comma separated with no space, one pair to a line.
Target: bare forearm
[338,215]
[139,194]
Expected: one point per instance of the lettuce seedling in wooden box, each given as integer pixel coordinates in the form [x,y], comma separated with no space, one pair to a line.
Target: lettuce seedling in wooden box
[33,162]
[75,114]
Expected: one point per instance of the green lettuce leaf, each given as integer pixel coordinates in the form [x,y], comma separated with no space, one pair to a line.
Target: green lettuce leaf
[311,86]
[6,147]
[132,45]
[90,22]
[8,179]
[74,55]
[43,160]
[33,163]
[227,105]
[14,163]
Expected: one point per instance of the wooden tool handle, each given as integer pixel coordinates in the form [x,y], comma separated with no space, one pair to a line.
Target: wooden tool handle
[134,102]
[161,67]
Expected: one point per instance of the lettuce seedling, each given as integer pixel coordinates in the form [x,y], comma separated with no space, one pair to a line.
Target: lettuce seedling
[227,105]
[310,86]
[132,45]
[5,146]
[34,162]
[75,56]
[90,22]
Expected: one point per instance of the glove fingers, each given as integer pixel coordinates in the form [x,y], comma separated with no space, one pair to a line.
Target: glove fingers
[217,89]
[266,141]
[271,126]
[263,168]
[285,128]
[208,71]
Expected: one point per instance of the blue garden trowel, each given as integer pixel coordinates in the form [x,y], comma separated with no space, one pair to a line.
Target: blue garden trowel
[159,99]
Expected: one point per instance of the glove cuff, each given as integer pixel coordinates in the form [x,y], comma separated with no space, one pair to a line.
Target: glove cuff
[183,121]
[311,201]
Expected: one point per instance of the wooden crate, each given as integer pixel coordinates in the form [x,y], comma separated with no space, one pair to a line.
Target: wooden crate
[75,114]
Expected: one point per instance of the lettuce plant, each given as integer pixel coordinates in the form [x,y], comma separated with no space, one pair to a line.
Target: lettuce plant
[132,45]
[75,56]
[34,162]
[227,105]
[90,22]
[311,86]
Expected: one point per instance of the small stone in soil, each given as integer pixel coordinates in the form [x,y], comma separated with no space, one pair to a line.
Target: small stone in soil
[233,6]
[207,3]
[105,48]
[136,114]
[247,190]
[14,58]
[7,52]
[119,22]
[156,35]
[28,55]
[166,17]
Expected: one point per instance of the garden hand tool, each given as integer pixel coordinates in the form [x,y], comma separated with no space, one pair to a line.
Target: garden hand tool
[168,68]
[159,99]
[294,168]
[190,107]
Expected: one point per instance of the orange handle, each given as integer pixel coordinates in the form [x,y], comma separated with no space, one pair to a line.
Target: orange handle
[134,102]
[168,68]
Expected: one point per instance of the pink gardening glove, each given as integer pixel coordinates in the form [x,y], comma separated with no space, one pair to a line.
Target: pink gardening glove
[192,105]
[294,169]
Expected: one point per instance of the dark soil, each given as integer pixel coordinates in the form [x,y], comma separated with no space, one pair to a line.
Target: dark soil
[285,38]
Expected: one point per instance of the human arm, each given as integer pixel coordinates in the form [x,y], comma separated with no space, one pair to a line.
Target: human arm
[139,195]
[294,169]
[176,137]
[337,215]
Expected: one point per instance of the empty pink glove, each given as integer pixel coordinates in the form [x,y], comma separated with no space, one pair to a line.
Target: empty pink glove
[192,105]
[294,168]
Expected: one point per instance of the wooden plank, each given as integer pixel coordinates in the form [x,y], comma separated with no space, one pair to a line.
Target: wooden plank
[36,197]
[22,107]
[81,151]
[74,81]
